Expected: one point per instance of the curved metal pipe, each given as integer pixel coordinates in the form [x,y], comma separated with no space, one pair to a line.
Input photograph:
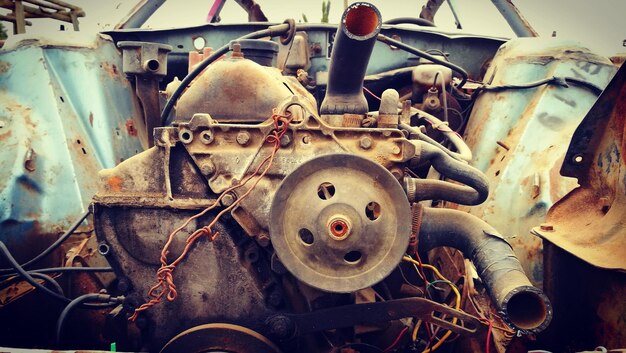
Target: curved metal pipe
[521,305]
[475,193]
[354,42]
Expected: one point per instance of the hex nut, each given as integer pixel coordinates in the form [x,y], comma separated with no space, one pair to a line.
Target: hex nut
[285,140]
[243,137]
[365,142]
[207,168]
[228,199]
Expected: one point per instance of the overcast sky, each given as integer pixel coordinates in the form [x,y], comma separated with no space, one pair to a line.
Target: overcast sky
[598,24]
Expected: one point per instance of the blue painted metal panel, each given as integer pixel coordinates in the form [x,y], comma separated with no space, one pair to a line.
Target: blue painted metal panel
[519,137]
[64,113]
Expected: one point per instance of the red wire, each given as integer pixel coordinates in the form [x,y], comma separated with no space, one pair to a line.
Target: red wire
[371,93]
[165,281]
[488,336]
[396,340]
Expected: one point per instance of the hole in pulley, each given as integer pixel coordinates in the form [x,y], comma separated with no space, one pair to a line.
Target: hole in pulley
[306,236]
[372,211]
[353,256]
[325,191]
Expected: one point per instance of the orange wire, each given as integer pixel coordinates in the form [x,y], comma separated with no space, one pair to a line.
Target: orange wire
[165,280]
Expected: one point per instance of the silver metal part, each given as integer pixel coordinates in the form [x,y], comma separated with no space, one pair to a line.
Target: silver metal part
[340,223]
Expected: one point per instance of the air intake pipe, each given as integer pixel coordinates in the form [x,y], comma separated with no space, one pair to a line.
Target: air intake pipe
[354,42]
[519,303]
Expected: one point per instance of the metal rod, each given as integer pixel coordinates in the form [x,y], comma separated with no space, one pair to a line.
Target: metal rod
[45,4]
[140,14]
[511,14]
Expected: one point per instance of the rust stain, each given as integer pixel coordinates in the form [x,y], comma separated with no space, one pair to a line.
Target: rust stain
[4,67]
[110,69]
[619,117]
[5,136]
[115,183]
[130,128]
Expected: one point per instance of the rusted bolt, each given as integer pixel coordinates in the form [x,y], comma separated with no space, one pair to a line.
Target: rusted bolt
[236,51]
[207,168]
[228,199]
[243,137]
[263,239]
[306,139]
[546,227]
[365,142]
[285,140]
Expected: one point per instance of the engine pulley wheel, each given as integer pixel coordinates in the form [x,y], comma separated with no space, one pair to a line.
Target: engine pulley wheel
[340,223]
[220,337]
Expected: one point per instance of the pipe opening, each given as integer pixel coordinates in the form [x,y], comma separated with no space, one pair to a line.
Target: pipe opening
[361,20]
[526,310]
[152,65]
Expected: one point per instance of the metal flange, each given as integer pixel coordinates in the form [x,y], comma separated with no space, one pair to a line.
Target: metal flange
[340,223]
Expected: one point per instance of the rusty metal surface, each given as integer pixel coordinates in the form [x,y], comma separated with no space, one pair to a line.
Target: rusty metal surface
[590,222]
[467,50]
[238,90]
[220,337]
[519,137]
[338,244]
[58,127]
[585,232]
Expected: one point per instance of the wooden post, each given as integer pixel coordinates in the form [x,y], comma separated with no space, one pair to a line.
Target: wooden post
[19,26]
[74,18]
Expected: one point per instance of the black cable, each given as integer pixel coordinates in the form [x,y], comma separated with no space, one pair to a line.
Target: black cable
[387,40]
[63,270]
[72,269]
[271,31]
[52,247]
[29,278]
[422,136]
[26,276]
[440,52]
[409,20]
[554,80]
[105,299]
[42,276]
[49,280]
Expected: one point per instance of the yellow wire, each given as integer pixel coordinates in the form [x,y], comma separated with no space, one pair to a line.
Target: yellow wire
[415,329]
[457,306]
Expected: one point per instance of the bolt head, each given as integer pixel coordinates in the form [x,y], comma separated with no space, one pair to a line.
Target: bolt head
[207,168]
[243,137]
[228,199]
[285,140]
[365,142]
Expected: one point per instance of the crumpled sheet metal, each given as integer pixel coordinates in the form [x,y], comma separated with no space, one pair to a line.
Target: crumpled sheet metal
[519,137]
[590,222]
[64,115]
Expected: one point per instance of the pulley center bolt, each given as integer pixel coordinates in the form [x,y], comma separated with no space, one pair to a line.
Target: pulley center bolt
[339,228]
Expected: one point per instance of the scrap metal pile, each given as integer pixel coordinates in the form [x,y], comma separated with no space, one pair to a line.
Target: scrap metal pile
[304,188]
